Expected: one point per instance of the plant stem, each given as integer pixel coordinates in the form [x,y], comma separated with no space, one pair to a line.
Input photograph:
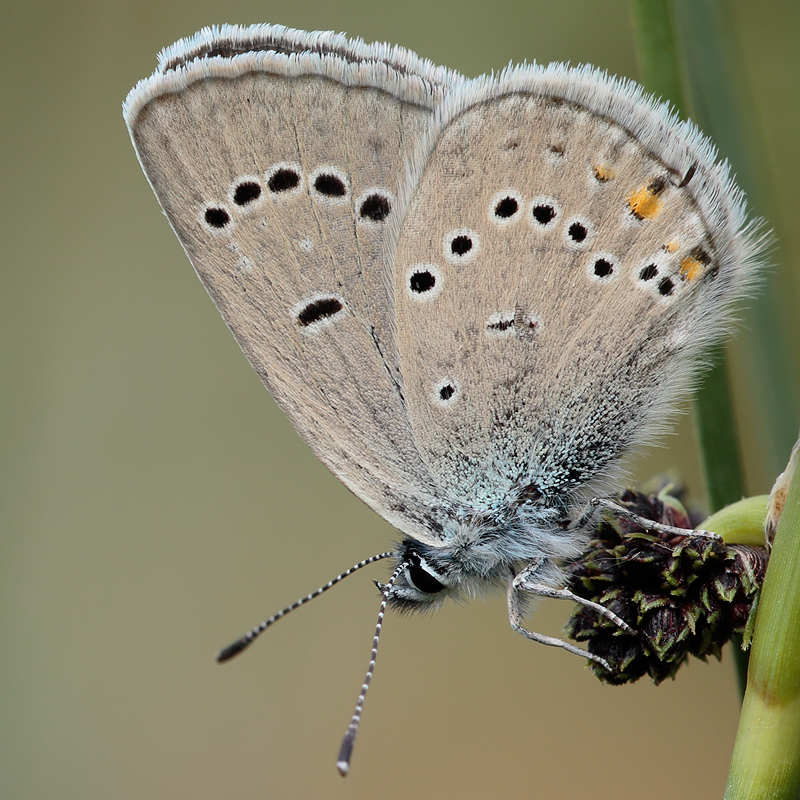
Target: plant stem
[723,107]
[716,432]
[741,522]
[766,757]
[659,61]
[657,49]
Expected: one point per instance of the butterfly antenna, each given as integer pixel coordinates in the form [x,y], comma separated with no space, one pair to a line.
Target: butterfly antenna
[227,653]
[346,750]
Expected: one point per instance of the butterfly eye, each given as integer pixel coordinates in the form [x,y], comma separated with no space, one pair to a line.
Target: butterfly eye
[419,577]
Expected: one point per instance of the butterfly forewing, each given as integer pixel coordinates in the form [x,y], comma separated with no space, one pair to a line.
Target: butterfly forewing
[280,175]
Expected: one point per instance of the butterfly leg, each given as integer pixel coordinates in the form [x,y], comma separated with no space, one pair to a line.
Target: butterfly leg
[524,582]
[515,618]
[646,524]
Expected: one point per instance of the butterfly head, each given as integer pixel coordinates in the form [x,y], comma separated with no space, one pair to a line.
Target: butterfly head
[426,579]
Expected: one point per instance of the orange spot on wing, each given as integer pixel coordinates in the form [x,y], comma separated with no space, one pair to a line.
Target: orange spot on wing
[671,247]
[691,268]
[644,203]
[604,173]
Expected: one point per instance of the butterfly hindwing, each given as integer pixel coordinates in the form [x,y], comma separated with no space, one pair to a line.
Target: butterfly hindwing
[556,279]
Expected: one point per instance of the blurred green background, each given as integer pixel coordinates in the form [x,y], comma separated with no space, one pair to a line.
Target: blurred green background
[156,503]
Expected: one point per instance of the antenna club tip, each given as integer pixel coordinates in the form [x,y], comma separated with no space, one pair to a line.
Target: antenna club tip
[345,751]
[227,653]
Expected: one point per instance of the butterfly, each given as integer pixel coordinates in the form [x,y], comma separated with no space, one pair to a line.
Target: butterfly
[471,297]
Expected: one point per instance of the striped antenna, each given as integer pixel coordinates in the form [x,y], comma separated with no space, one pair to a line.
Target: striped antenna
[234,649]
[346,750]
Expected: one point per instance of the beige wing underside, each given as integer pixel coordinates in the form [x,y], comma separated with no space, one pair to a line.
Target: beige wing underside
[263,164]
[556,282]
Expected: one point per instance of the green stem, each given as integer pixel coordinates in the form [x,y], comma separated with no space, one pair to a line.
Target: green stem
[658,53]
[766,757]
[657,49]
[716,432]
[721,105]
[741,522]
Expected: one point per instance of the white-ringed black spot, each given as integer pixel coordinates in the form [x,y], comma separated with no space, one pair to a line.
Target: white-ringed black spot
[317,310]
[329,184]
[543,211]
[246,192]
[374,206]
[283,178]
[577,232]
[666,286]
[501,323]
[423,282]
[446,392]
[648,273]
[506,207]
[216,217]
[603,267]
[461,246]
